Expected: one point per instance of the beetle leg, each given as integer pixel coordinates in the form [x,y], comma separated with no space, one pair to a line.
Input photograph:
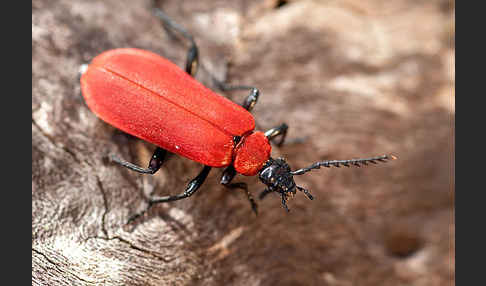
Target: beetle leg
[306,192]
[191,188]
[228,174]
[284,203]
[249,101]
[154,165]
[244,187]
[278,131]
[192,58]
[264,193]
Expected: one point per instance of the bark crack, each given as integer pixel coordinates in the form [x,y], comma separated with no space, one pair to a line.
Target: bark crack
[105,203]
[61,269]
[54,143]
[107,237]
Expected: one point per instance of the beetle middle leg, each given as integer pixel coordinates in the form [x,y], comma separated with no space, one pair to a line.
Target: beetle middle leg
[249,101]
[191,188]
[228,174]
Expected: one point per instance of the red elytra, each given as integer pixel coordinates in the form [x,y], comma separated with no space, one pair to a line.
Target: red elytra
[149,97]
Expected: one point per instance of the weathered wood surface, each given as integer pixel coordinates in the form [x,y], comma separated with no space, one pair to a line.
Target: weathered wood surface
[356,78]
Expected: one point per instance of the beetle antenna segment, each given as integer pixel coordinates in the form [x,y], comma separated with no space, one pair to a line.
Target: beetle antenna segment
[347,163]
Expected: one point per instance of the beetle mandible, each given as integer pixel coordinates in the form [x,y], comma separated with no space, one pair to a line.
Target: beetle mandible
[145,95]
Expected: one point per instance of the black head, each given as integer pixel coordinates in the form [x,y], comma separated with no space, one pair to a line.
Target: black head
[276,174]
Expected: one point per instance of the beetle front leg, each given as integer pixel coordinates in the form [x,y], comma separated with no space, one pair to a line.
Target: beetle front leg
[154,165]
[191,188]
[278,131]
[284,203]
[228,174]
[264,193]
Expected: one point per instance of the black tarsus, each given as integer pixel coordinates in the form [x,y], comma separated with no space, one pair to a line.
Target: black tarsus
[228,174]
[306,192]
[284,203]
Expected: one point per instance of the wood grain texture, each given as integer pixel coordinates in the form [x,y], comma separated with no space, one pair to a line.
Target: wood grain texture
[355,78]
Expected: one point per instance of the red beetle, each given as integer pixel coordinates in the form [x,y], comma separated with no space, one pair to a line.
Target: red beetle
[147,96]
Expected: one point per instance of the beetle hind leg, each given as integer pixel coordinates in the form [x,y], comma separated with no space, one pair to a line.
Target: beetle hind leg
[192,59]
[191,188]
[155,163]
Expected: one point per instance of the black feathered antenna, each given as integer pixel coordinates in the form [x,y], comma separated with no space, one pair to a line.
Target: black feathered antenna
[347,163]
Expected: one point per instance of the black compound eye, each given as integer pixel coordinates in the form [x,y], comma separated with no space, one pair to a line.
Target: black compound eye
[268,174]
[265,174]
